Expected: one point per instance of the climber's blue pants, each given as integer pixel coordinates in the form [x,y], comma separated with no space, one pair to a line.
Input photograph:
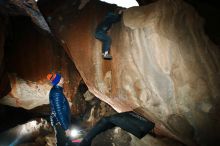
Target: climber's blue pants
[106,40]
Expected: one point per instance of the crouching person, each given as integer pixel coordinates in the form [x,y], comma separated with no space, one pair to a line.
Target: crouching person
[128,121]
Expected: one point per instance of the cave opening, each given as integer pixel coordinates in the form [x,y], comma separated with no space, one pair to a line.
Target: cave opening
[124,4]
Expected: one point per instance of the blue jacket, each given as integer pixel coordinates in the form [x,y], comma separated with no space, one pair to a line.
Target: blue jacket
[60,110]
[109,19]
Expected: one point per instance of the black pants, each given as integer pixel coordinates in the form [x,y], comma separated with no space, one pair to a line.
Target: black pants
[128,121]
[61,138]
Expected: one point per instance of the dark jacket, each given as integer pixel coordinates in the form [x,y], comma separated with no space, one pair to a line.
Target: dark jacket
[60,110]
[109,19]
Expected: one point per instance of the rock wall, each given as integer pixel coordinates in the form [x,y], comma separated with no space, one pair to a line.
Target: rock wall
[179,66]
[30,56]
[26,8]
[163,65]
[4,81]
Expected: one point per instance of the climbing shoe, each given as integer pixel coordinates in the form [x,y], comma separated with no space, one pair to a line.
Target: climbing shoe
[107,56]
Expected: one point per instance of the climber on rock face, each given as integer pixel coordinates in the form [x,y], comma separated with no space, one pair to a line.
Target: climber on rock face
[102,29]
[60,111]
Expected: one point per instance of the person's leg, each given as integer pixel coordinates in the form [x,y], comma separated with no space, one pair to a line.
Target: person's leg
[144,124]
[132,123]
[61,138]
[103,125]
[128,121]
[100,36]
[106,41]
[56,128]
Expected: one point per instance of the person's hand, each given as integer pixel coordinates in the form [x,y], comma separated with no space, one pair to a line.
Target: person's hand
[68,132]
[120,11]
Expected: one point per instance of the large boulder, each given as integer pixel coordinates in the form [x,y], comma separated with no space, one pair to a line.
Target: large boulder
[163,65]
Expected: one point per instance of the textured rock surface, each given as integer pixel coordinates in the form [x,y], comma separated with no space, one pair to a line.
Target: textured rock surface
[26,8]
[163,64]
[26,131]
[26,94]
[30,56]
[153,141]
